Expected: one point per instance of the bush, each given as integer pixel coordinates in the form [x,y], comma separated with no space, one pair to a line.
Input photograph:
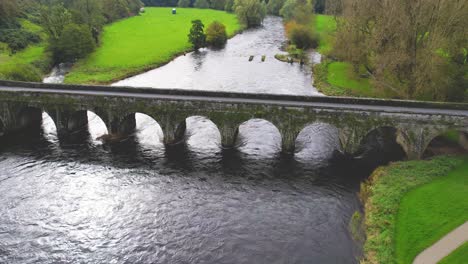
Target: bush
[201,4]
[301,36]
[250,12]
[20,72]
[216,35]
[183,3]
[75,43]
[196,36]
[18,39]
[229,7]
[274,6]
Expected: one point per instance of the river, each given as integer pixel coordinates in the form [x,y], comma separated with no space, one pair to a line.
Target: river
[76,200]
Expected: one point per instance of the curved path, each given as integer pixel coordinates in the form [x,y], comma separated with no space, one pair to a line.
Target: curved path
[444,246]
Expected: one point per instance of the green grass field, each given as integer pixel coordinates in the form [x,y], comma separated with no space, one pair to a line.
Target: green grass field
[325,27]
[140,43]
[459,256]
[431,211]
[403,215]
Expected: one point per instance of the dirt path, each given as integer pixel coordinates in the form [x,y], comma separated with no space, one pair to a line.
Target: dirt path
[444,246]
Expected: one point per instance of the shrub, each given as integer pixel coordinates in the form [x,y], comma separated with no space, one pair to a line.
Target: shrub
[274,6]
[75,43]
[301,36]
[18,39]
[216,35]
[201,4]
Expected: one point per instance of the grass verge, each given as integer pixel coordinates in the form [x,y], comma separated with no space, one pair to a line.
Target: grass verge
[459,256]
[384,194]
[141,43]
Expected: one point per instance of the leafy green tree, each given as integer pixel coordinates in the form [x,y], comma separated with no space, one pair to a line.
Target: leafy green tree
[274,6]
[54,19]
[74,43]
[229,7]
[216,35]
[197,36]
[183,3]
[250,12]
[201,4]
[8,11]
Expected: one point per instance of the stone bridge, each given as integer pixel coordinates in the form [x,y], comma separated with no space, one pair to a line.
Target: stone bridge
[415,123]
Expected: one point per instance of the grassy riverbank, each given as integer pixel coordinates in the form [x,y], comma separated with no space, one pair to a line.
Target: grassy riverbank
[459,256]
[140,43]
[410,205]
[28,64]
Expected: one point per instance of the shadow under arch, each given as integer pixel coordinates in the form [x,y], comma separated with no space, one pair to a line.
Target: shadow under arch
[451,141]
[2,128]
[383,144]
[201,133]
[30,120]
[86,123]
[259,136]
[318,141]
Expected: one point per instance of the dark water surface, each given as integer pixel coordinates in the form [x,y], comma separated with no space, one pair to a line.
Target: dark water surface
[79,201]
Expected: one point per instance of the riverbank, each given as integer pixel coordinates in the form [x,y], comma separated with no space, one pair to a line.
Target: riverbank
[138,44]
[410,205]
[29,64]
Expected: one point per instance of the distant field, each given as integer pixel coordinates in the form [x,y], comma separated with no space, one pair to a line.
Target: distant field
[140,43]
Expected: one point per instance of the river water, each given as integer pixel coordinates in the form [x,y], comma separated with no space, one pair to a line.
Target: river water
[76,200]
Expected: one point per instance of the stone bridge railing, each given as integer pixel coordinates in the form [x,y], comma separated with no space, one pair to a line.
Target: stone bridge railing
[416,123]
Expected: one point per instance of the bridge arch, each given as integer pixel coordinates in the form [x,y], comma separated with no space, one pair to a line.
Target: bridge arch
[318,139]
[211,136]
[259,133]
[145,127]
[457,139]
[86,122]
[387,140]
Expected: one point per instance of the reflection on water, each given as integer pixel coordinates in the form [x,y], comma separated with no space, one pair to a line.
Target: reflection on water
[134,202]
[229,69]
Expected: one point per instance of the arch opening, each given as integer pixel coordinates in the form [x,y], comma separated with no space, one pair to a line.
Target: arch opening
[87,123]
[144,129]
[48,127]
[447,142]
[259,137]
[202,134]
[381,145]
[317,141]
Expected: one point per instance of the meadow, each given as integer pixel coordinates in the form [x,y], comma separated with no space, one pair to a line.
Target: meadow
[144,42]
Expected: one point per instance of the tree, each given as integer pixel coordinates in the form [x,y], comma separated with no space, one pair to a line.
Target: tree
[415,56]
[250,12]
[274,6]
[301,36]
[201,4]
[197,37]
[54,19]
[74,43]
[229,7]
[183,3]
[299,10]
[8,11]
[90,12]
[216,35]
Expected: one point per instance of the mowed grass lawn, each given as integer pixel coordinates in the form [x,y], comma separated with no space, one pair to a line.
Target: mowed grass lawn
[325,26]
[143,42]
[429,212]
